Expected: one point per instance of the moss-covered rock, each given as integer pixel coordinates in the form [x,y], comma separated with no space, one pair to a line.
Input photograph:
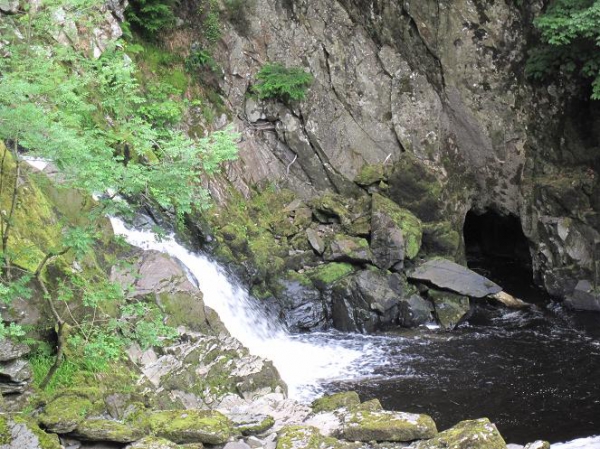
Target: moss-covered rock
[396,232]
[539,444]
[440,239]
[325,275]
[472,434]
[364,425]
[329,403]
[191,426]
[106,430]
[64,413]
[370,174]
[373,405]
[332,208]
[305,437]
[153,443]
[344,248]
[450,309]
[18,431]
[252,424]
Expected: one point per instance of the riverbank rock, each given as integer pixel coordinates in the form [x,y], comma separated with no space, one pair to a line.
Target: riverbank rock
[584,297]
[387,426]
[191,426]
[451,276]
[106,430]
[307,437]
[450,309]
[473,434]
[17,432]
[344,248]
[153,443]
[329,403]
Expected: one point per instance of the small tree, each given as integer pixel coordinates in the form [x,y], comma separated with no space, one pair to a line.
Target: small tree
[285,84]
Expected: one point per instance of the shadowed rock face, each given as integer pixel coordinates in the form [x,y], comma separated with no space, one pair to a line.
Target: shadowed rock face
[439,84]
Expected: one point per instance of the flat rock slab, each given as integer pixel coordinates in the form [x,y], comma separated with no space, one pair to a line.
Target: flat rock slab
[451,276]
[385,425]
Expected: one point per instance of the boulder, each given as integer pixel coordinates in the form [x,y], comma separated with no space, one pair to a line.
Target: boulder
[65,412]
[301,303]
[306,437]
[11,351]
[251,424]
[191,426]
[539,444]
[315,240]
[451,276]
[385,425]
[414,311]
[344,248]
[9,6]
[450,309]
[17,432]
[584,297]
[15,376]
[153,443]
[329,403]
[106,430]
[395,233]
[473,434]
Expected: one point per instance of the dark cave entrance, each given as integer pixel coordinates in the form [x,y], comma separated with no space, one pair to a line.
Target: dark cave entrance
[496,247]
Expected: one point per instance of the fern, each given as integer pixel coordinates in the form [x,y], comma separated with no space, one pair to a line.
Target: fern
[278,82]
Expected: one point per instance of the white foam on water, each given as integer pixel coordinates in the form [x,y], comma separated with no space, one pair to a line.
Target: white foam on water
[36,162]
[579,443]
[302,364]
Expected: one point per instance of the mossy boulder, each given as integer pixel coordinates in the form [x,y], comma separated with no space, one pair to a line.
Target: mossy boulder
[332,208]
[107,430]
[441,239]
[64,413]
[17,431]
[251,424]
[153,443]
[370,174]
[325,275]
[395,233]
[306,437]
[472,434]
[345,248]
[382,425]
[450,309]
[373,405]
[329,403]
[191,426]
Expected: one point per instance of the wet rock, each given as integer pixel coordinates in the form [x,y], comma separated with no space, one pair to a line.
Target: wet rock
[308,316]
[343,248]
[539,444]
[315,240]
[106,430]
[17,432]
[414,311]
[387,426]
[451,276]
[473,434]
[191,426]
[450,309]
[335,401]
[331,208]
[153,443]
[584,297]
[395,233]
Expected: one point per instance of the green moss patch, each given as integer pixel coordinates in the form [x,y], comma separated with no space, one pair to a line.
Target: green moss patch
[365,425]
[473,434]
[191,426]
[325,275]
[347,399]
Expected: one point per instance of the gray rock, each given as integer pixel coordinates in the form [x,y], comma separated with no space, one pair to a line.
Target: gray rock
[450,309]
[153,443]
[343,248]
[9,6]
[25,434]
[107,431]
[473,434]
[414,311]
[14,376]
[315,240]
[539,444]
[12,351]
[236,445]
[309,316]
[387,426]
[584,297]
[451,276]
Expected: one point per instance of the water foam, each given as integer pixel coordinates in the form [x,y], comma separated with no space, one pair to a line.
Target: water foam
[302,363]
[579,443]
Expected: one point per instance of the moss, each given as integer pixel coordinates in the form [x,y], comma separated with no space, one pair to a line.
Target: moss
[450,308]
[45,440]
[372,405]
[332,402]
[325,275]
[366,425]
[370,174]
[256,428]
[301,278]
[405,220]
[472,434]
[440,239]
[64,413]
[5,435]
[106,430]
[305,437]
[332,207]
[191,426]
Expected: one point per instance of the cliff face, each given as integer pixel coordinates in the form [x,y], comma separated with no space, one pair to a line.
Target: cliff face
[434,90]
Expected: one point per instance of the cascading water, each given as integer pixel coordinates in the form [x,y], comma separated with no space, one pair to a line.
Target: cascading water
[541,384]
[303,364]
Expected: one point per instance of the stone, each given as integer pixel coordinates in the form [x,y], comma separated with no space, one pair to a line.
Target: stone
[509,300]
[329,403]
[450,309]
[414,311]
[106,430]
[451,276]
[15,376]
[18,432]
[539,444]
[315,240]
[344,248]
[236,445]
[153,443]
[9,6]
[305,437]
[395,233]
[387,426]
[191,426]
[584,297]
[11,351]
[473,434]
[64,413]
[250,424]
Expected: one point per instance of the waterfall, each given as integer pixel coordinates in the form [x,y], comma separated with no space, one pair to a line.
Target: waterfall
[301,361]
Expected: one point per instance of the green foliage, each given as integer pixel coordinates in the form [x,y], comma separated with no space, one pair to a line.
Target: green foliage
[151,17]
[570,33]
[200,59]
[277,81]
[211,22]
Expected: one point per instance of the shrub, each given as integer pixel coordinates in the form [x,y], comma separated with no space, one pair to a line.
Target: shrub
[151,16]
[279,82]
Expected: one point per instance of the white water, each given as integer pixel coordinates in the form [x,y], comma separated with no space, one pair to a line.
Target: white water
[301,363]
[580,443]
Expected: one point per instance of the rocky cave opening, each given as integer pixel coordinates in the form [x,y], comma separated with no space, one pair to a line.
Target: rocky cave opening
[496,247]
